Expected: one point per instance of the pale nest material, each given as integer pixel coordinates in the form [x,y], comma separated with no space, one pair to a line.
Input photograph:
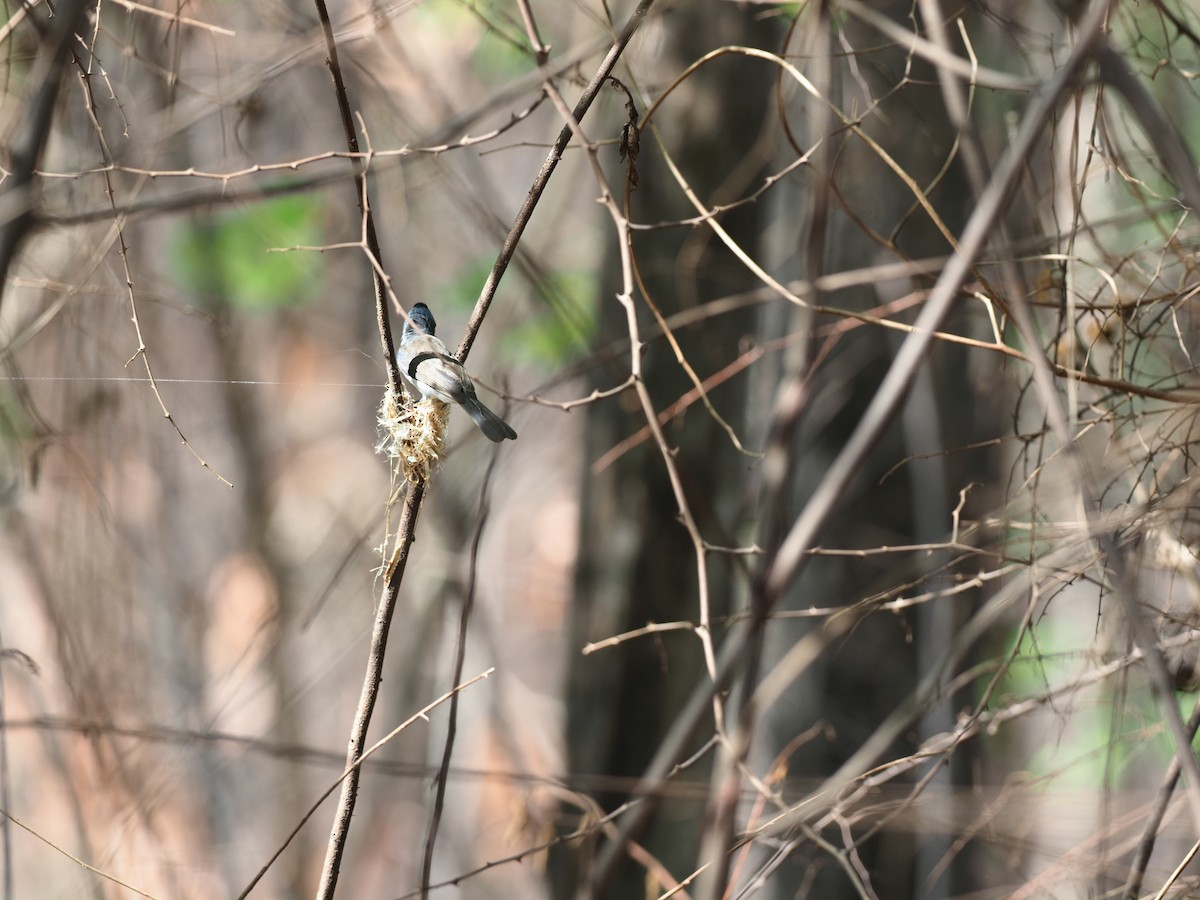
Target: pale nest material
[413,433]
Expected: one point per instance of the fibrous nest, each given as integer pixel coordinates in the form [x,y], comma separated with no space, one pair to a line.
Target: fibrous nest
[412,433]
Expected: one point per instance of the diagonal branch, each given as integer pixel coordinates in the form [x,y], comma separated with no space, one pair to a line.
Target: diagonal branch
[543,177]
[370,694]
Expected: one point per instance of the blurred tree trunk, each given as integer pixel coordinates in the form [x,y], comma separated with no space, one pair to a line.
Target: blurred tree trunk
[637,563]
[862,676]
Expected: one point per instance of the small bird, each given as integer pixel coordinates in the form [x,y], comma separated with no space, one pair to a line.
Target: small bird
[427,363]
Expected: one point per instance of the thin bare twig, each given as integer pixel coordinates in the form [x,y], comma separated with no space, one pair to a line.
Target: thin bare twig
[936,53]
[1183,863]
[1141,857]
[175,17]
[460,656]
[360,194]
[351,771]
[123,252]
[75,859]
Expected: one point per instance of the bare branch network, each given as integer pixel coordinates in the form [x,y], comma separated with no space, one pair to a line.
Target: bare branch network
[850,544]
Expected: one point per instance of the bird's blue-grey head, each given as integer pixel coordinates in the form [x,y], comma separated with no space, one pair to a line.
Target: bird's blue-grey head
[420,319]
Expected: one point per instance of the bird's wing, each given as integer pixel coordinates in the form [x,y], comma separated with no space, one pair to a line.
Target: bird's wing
[442,373]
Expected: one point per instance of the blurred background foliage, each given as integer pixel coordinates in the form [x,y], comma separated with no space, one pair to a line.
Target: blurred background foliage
[234,255]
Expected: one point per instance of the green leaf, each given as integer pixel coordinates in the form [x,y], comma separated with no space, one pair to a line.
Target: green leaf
[563,331]
[501,50]
[557,335]
[462,292]
[229,255]
[498,58]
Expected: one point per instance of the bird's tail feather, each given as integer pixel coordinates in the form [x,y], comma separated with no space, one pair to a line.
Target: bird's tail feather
[493,427]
